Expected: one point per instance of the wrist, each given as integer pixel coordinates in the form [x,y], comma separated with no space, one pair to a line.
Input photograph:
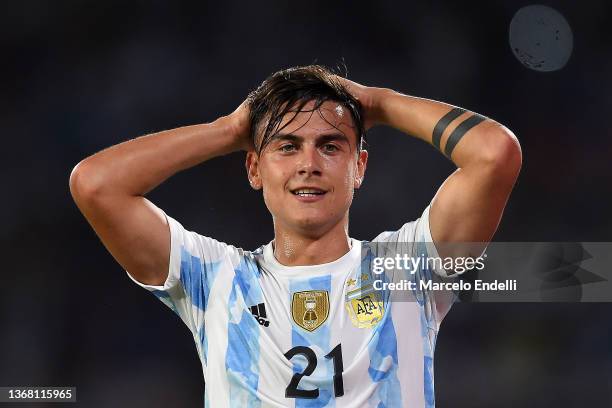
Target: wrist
[235,130]
[378,103]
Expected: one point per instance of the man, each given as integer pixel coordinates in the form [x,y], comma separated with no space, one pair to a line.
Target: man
[283,325]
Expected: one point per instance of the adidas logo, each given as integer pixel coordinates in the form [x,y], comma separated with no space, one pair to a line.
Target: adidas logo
[259,312]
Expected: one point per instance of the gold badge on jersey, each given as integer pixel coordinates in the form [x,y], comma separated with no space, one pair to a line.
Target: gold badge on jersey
[310,308]
[365,308]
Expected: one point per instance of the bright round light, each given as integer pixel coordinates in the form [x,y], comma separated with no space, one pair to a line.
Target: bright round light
[541,38]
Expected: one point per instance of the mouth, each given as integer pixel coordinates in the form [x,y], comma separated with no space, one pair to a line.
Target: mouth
[308,193]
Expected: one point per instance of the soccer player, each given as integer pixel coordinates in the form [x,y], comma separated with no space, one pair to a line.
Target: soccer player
[295,322]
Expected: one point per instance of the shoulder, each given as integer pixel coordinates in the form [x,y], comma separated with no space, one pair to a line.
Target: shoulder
[188,243]
[412,231]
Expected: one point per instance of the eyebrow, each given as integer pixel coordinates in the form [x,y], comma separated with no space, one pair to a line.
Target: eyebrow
[327,137]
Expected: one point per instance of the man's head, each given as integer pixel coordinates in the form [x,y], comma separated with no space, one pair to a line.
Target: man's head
[307,131]
[287,91]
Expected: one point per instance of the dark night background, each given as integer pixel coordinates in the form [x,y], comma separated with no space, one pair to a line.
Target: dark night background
[80,76]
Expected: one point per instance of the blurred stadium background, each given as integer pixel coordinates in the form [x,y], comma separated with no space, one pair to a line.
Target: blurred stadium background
[80,76]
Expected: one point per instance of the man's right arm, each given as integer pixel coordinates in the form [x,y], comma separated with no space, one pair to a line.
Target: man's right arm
[109,188]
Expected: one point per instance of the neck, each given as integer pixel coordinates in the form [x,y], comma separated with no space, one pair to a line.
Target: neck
[294,248]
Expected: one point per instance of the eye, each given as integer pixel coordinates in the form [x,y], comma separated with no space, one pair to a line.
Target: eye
[330,148]
[287,148]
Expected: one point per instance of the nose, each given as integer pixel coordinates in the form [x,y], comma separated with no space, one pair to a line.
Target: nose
[309,163]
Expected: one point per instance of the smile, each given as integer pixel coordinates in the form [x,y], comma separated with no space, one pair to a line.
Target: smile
[308,192]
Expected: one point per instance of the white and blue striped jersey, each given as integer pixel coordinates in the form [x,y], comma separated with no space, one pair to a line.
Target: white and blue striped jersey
[270,335]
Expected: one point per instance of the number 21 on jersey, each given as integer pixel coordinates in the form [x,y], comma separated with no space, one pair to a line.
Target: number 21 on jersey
[292,390]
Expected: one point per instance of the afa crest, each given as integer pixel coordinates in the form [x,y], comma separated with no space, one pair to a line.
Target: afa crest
[365,309]
[310,308]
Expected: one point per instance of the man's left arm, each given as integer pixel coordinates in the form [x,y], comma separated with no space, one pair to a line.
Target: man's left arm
[469,204]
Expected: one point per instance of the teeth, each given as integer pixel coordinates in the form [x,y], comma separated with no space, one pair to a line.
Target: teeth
[307,192]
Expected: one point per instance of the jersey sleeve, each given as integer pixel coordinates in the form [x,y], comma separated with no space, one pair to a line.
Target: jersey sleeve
[414,239]
[195,261]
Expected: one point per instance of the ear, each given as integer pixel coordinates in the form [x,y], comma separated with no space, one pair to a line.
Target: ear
[362,163]
[252,168]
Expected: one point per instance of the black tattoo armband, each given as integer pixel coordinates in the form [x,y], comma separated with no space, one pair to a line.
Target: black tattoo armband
[456,134]
[443,124]
[459,131]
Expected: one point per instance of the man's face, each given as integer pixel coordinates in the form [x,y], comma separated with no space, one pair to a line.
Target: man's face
[309,170]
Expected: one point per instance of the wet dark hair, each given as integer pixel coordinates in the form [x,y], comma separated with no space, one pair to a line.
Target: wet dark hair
[289,90]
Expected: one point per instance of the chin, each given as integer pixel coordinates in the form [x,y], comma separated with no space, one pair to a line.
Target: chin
[311,224]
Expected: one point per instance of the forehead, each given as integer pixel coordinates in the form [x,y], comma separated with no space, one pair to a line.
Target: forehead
[329,116]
